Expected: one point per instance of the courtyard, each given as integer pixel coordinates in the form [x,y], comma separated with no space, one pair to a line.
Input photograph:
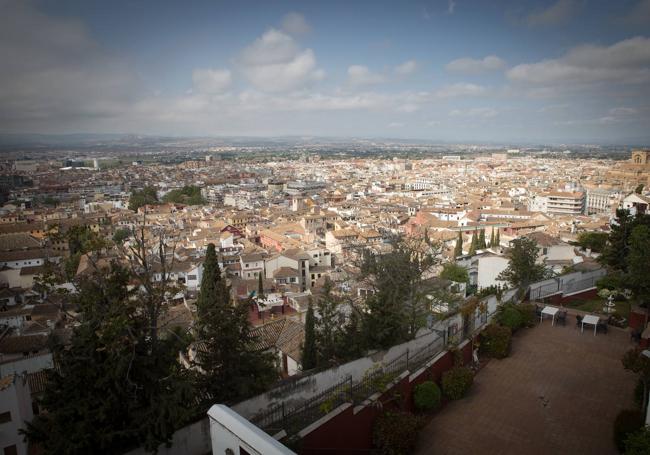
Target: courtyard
[557,393]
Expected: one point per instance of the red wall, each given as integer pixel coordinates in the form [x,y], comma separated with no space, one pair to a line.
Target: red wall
[350,433]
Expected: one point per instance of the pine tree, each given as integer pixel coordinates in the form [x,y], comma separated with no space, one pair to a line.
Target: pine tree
[458,250]
[232,368]
[474,245]
[481,240]
[309,354]
[114,388]
[492,240]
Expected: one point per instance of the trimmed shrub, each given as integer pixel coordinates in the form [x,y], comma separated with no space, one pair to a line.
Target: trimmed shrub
[456,382]
[527,312]
[638,442]
[627,421]
[496,341]
[510,317]
[427,396]
[396,433]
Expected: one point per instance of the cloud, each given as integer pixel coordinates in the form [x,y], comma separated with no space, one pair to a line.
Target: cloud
[396,125]
[471,65]
[211,80]
[408,108]
[406,68]
[53,72]
[459,89]
[622,111]
[360,75]
[275,63]
[627,61]
[451,6]
[483,112]
[558,13]
[295,24]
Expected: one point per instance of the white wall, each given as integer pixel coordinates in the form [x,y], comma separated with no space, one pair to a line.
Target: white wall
[17,400]
[229,430]
[193,439]
[299,391]
[489,267]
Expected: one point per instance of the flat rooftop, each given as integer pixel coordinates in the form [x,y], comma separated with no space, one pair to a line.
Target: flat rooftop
[558,393]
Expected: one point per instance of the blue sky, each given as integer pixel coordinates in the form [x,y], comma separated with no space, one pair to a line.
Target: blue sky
[508,71]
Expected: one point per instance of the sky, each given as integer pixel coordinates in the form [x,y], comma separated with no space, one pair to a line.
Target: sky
[444,70]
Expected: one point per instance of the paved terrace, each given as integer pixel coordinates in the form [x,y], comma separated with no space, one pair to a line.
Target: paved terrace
[558,393]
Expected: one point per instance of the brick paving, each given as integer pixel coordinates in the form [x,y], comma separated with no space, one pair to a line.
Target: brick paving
[558,393]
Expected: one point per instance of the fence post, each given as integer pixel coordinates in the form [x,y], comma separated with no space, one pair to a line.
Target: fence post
[407,358]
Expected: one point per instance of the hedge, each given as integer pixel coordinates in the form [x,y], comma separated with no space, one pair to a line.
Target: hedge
[396,433]
[496,341]
[427,396]
[456,382]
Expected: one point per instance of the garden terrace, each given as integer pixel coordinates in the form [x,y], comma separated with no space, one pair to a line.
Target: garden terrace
[558,392]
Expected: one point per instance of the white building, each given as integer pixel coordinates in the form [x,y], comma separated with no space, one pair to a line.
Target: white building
[15,411]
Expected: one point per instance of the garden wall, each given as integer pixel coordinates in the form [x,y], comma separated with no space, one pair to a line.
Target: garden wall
[349,431]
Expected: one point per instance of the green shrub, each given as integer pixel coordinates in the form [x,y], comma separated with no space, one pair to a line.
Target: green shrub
[496,341]
[638,442]
[510,317]
[527,312]
[456,382]
[627,421]
[638,393]
[396,433]
[426,396]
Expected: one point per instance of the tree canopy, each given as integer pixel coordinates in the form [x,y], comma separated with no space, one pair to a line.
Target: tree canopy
[523,268]
[454,272]
[189,195]
[114,388]
[146,196]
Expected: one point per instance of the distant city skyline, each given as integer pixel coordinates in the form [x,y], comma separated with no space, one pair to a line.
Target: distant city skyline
[448,70]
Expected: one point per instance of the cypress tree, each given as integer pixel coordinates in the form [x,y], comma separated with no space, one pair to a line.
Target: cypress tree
[260,287]
[492,239]
[474,245]
[498,239]
[232,367]
[481,240]
[458,251]
[309,345]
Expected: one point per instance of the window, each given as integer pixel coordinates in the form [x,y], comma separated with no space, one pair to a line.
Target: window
[191,277]
[5,417]
[247,265]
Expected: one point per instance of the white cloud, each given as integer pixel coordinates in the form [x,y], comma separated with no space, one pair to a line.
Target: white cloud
[211,80]
[451,6]
[408,108]
[295,24]
[627,61]
[460,89]
[623,111]
[406,68]
[484,112]
[361,75]
[558,13]
[472,65]
[396,125]
[275,63]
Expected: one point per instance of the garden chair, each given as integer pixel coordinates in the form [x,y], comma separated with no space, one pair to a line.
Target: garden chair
[578,320]
[561,317]
[601,327]
[635,335]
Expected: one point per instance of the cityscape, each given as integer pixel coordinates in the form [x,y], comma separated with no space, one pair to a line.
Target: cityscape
[325,228]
